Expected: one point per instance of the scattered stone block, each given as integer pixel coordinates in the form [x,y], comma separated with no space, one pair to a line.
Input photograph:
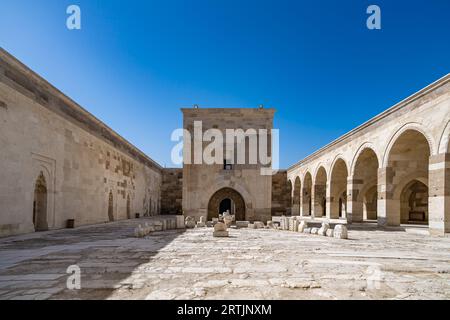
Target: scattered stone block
[158,225]
[209,224]
[220,230]
[270,224]
[228,220]
[314,230]
[307,230]
[251,226]
[200,224]
[180,222]
[302,226]
[259,225]
[330,232]
[340,232]
[190,222]
[242,224]
[220,234]
[323,229]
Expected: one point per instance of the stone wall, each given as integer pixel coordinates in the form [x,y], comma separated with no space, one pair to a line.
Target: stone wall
[172,191]
[281,194]
[60,162]
[201,181]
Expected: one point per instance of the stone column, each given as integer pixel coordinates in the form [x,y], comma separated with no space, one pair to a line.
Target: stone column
[439,194]
[319,193]
[388,209]
[330,205]
[354,206]
[304,203]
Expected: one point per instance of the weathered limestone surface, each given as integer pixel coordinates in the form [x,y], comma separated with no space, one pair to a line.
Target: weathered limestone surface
[281,194]
[205,185]
[171,191]
[91,174]
[253,264]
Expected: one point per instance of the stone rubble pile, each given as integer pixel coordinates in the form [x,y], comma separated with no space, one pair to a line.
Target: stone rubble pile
[157,225]
[294,224]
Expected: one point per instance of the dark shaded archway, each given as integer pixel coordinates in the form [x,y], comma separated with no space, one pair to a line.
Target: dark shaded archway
[110,207]
[128,207]
[223,194]
[40,204]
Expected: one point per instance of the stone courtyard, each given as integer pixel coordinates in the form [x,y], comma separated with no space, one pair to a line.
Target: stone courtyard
[250,264]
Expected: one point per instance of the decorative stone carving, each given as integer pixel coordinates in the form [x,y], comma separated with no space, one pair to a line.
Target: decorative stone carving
[340,232]
[323,229]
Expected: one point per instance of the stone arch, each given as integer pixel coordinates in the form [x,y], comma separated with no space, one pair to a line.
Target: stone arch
[40,215]
[363,179]
[361,149]
[110,206]
[338,188]
[296,196]
[444,142]
[306,197]
[406,163]
[411,126]
[217,199]
[320,192]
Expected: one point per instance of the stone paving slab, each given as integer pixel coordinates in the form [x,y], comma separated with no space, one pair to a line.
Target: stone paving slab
[250,264]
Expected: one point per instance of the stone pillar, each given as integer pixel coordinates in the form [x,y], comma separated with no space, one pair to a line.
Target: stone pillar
[304,203]
[388,208]
[439,194]
[319,193]
[330,205]
[354,205]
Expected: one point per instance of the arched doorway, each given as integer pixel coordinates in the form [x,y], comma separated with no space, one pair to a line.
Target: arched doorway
[40,204]
[111,207]
[414,203]
[338,188]
[408,163]
[320,190]
[226,198]
[365,181]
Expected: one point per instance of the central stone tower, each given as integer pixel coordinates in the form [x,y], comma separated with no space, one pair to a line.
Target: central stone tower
[242,187]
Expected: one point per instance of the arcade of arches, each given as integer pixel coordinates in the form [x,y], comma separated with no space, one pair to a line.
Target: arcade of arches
[396,192]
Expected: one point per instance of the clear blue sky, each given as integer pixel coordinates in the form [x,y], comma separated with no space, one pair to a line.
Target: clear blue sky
[135,63]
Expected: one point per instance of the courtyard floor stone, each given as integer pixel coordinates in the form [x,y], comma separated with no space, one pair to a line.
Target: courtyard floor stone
[250,264]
